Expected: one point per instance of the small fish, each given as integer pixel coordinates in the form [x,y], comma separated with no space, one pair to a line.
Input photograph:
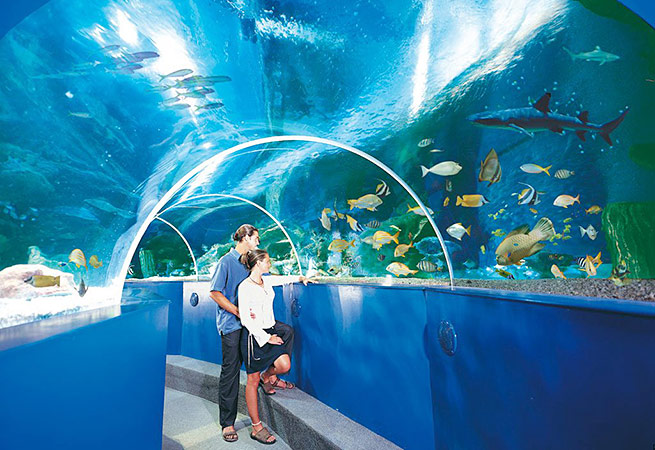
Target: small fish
[339,245]
[566,200]
[590,231]
[426,266]
[471,201]
[566,238]
[490,168]
[563,174]
[457,230]
[95,263]
[593,210]
[409,235]
[498,233]
[368,201]
[483,249]
[325,220]
[382,189]
[43,280]
[210,106]
[504,273]
[198,93]
[354,224]
[586,265]
[178,106]
[425,142]
[534,168]
[521,242]
[568,219]
[140,56]
[619,273]
[110,48]
[77,256]
[401,249]
[557,272]
[81,115]
[529,196]
[199,80]
[62,264]
[177,73]
[470,264]
[446,168]
[446,201]
[373,224]
[436,150]
[381,238]
[337,215]
[399,269]
[418,211]
[82,288]
[449,186]
[130,270]
[534,211]
[381,257]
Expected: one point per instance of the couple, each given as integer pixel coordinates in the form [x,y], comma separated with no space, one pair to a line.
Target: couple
[265,344]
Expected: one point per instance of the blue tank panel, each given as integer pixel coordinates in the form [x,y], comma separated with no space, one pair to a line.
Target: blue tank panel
[89,380]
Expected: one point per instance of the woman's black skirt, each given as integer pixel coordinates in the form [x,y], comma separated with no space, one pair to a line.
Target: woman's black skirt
[258,359]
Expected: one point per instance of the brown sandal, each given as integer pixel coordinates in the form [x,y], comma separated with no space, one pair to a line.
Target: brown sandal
[286,385]
[230,436]
[262,436]
[267,387]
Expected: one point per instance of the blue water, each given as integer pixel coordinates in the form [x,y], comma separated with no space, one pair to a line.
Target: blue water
[89,144]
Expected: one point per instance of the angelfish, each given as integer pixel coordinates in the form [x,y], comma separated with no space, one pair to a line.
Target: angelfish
[490,168]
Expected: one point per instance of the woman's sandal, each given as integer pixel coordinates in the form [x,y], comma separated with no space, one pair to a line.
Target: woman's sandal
[230,436]
[262,436]
[285,384]
[267,387]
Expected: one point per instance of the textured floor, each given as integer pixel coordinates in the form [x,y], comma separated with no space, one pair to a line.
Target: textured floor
[192,423]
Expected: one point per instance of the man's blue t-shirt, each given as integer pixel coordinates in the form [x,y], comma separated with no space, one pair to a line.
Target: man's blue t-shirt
[226,279]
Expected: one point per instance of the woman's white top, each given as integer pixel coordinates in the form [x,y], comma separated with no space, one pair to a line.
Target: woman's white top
[259,300]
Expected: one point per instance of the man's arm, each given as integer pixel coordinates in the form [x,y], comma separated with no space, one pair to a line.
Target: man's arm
[224,303]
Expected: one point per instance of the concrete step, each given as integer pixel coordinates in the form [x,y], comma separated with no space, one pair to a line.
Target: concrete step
[191,423]
[298,418]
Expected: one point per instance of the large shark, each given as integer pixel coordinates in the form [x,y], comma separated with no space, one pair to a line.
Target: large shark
[595,55]
[540,118]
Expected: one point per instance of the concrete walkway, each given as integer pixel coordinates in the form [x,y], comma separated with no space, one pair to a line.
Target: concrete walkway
[191,422]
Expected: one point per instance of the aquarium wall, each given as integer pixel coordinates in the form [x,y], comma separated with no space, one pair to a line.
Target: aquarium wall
[502,139]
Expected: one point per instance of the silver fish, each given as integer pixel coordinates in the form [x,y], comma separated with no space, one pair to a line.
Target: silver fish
[425,142]
[426,266]
[177,73]
[563,174]
[590,231]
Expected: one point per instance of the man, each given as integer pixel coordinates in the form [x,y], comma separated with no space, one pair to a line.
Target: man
[223,290]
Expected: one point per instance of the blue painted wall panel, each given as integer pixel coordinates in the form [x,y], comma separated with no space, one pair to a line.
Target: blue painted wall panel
[200,337]
[100,385]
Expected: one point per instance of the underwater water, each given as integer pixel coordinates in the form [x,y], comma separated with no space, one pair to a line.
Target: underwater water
[114,115]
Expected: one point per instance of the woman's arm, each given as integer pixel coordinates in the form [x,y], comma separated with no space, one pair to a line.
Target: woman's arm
[249,300]
[279,280]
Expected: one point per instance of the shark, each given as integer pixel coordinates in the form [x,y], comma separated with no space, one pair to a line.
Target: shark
[539,117]
[595,55]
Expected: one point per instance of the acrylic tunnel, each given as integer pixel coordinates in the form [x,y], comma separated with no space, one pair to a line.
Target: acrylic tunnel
[487,168]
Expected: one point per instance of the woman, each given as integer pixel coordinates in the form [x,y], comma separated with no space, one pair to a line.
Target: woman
[262,346]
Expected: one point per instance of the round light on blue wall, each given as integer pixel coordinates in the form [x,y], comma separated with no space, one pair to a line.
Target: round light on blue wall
[447,338]
[194,299]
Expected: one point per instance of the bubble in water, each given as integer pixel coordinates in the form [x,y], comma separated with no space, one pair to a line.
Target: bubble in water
[315,155]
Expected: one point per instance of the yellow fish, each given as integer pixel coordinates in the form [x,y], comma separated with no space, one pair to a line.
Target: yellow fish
[557,272]
[339,245]
[498,233]
[446,201]
[593,210]
[381,238]
[566,238]
[418,211]
[43,280]
[566,200]
[521,243]
[77,256]
[534,168]
[399,269]
[368,201]
[401,249]
[483,249]
[471,201]
[567,220]
[354,224]
[325,220]
[95,263]
[534,211]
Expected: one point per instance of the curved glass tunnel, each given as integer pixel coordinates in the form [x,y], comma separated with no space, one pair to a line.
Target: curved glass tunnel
[106,106]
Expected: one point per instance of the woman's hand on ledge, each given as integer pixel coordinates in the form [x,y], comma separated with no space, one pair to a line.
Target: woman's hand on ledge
[305,280]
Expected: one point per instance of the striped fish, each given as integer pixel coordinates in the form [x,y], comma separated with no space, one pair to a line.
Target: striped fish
[425,142]
[382,190]
[372,224]
[529,196]
[426,266]
[77,257]
[563,174]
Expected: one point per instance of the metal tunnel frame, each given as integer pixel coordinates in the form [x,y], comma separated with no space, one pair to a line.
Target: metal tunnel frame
[217,159]
[245,200]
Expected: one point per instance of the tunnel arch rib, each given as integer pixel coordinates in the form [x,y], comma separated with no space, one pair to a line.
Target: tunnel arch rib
[220,157]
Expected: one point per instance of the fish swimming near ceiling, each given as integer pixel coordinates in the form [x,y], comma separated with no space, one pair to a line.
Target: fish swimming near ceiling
[565,201]
[381,238]
[425,142]
[596,55]
[401,249]
[521,243]
[77,257]
[176,74]
[44,280]
[490,168]
[457,230]
[382,189]
[589,231]
[426,266]
[445,169]
[368,201]
[534,168]
[556,271]
[539,117]
[199,80]
[339,245]
[563,174]
[210,106]
[399,269]
[471,200]
[95,262]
